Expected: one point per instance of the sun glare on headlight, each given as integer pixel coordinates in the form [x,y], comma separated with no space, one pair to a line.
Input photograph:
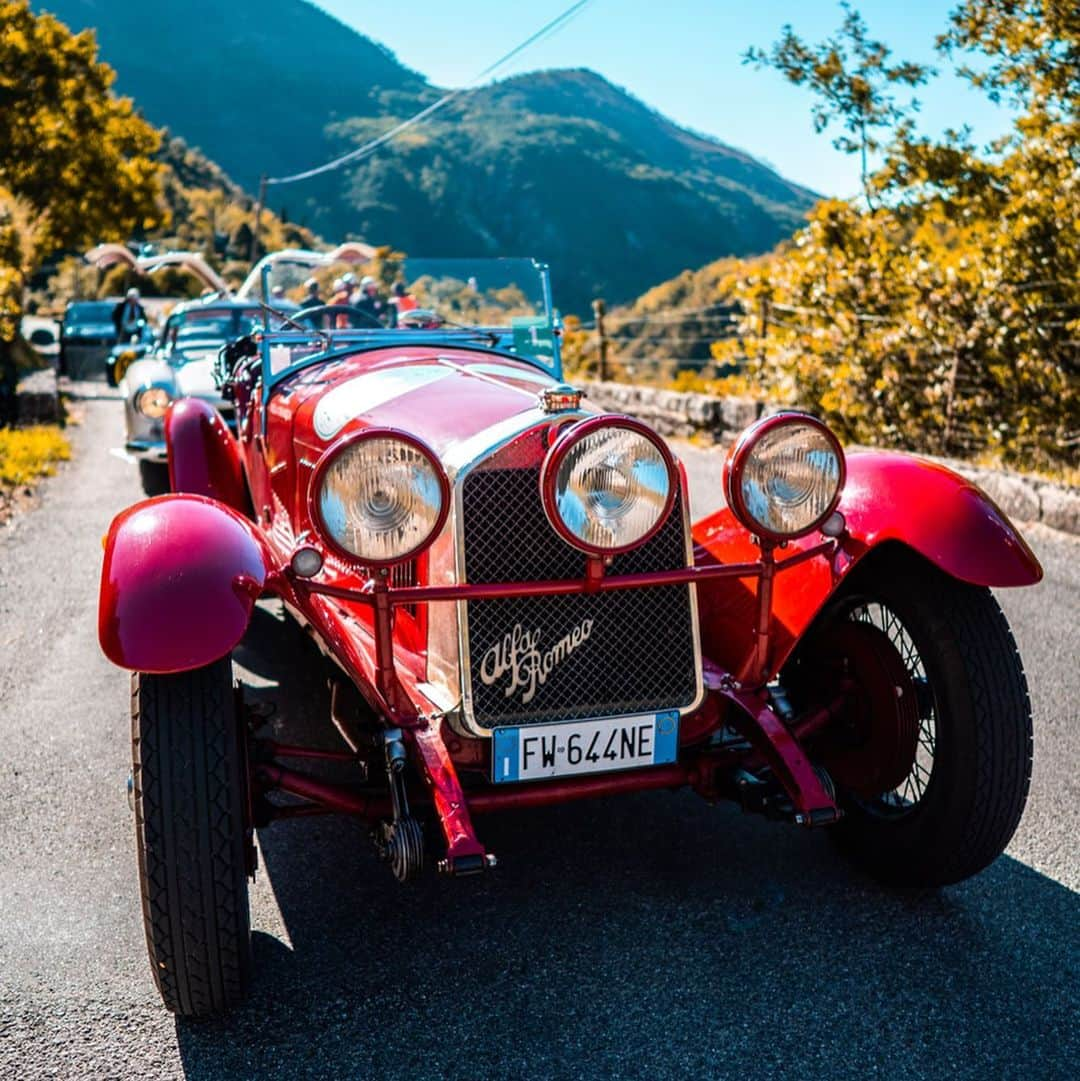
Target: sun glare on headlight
[608,484]
[784,476]
[380,498]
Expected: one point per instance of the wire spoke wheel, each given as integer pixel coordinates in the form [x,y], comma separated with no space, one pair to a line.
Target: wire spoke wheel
[931,755]
[903,798]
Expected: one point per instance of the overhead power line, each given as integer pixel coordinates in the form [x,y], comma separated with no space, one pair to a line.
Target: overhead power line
[368,148]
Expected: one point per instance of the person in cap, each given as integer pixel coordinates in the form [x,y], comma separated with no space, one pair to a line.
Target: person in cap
[311,295]
[129,315]
[341,296]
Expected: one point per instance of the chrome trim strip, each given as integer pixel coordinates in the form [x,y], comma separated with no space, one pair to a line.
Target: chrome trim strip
[479,447]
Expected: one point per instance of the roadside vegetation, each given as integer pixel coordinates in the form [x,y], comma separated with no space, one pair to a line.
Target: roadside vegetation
[77,165]
[29,453]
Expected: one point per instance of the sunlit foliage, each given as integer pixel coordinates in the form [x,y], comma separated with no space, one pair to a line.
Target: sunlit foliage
[29,453]
[945,316]
[73,150]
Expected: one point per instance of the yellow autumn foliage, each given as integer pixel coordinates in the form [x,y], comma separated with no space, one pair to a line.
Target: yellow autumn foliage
[29,453]
[942,313]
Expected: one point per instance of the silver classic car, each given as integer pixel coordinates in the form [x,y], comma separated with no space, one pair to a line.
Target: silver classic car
[179,366]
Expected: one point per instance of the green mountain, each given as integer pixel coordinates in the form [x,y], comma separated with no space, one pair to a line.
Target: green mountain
[557,164]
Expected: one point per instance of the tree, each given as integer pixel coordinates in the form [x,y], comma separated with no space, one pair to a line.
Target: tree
[18,232]
[946,315]
[853,81]
[75,166]
[1034,52]
[72,149]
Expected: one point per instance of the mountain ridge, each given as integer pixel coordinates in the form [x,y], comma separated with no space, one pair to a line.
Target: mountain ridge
[558,164]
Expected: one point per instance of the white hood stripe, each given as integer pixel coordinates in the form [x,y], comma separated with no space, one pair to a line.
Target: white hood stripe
[369,391]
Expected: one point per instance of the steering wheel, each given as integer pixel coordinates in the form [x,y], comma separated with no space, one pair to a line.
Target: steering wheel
[325,317]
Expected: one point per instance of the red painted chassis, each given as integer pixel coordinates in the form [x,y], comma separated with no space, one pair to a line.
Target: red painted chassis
[182,574]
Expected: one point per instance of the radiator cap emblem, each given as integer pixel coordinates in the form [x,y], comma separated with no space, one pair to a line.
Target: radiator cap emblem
[561,398]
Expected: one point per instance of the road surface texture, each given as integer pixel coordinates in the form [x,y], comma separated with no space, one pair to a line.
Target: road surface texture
[646,936]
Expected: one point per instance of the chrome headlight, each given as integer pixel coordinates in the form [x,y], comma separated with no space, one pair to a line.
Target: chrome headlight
[608,484]
[152,402]
[784,475]
[380,497]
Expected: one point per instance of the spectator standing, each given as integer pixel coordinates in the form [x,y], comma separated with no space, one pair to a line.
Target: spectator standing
[128,314]
[342,296]
[373,305]
[311,295]
[402,300]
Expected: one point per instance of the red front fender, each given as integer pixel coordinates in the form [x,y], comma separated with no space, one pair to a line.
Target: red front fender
[944,517]
[181,576]
[203,456]
[888,498]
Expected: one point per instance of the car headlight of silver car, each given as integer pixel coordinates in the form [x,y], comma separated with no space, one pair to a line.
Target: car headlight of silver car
[152,402]
[608,484]
[783,477]
[379,497]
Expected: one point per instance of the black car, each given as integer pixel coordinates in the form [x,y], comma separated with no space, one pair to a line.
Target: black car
[87,336]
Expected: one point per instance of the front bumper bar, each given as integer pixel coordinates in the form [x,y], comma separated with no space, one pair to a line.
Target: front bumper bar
[774,745]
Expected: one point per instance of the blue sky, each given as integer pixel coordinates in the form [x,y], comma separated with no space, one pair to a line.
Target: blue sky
[683,58]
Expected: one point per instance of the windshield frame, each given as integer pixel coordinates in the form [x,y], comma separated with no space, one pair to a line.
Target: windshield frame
[335,344]
[175,347]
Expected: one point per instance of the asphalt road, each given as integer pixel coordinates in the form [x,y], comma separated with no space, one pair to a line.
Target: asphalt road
[649,936]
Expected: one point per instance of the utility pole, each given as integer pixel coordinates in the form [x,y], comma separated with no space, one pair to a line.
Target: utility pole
[259,204]
[599,311]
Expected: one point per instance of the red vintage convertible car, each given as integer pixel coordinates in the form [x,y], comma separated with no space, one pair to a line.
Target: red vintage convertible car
[521,613]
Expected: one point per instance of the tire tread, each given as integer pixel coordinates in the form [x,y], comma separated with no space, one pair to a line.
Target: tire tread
[189,809]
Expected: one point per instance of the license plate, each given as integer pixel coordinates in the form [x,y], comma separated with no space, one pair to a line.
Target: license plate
[537,751]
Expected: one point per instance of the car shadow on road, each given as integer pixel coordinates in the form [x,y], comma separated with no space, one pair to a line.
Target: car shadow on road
[646,936]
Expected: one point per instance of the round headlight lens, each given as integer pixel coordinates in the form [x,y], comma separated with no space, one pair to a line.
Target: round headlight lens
[785,476]
[608,485]
[153,402]
[381,498]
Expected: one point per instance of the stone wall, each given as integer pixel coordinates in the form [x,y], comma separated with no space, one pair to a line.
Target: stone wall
[38,398]
[673,413]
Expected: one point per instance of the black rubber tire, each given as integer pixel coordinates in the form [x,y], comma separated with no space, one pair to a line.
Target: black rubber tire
[154,477]
[981,769]
[192,837]
[110,373]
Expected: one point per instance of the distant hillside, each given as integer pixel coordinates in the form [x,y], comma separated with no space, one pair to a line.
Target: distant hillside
[674,323]
[560,164]
[565,166]
[210,212]
[252,83]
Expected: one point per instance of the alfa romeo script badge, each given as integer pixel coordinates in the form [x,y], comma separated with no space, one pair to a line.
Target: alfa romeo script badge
[519,658]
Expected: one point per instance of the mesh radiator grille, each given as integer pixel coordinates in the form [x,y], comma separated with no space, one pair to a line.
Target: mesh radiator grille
[630,651]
